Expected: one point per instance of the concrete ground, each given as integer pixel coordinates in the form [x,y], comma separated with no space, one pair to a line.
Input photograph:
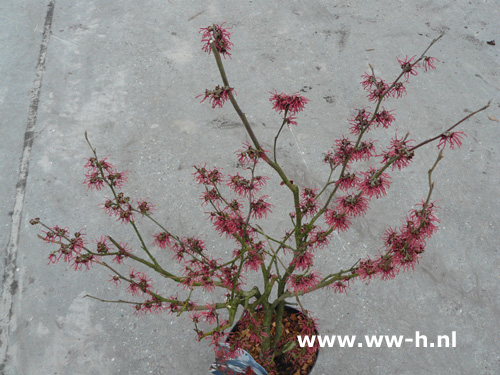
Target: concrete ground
[128,73]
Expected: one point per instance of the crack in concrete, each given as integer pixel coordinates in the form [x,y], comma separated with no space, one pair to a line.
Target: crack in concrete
[10,283]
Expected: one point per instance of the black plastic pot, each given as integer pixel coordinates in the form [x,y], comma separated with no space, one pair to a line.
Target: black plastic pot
[240,364]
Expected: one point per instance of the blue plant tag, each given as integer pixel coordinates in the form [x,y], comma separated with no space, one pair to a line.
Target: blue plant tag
[234,364]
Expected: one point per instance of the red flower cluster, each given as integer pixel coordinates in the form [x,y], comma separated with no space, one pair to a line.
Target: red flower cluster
[162,240]
[211,177]
[139,283]
[384,118]
[248,155]
[404,245]
[220,36]
[376,87]
[452,139]
[374,184]
[71,249]
[352,205]
[218,96]
[399,153]
[100,172]
[408,67]
[292,103]
[303,283]
[121,208]
[288,105]
[346,151]
[429,63]
[145,207]
[309,206]
[337,220]
[361,122]
[347,181]
[260,208]
[245,187]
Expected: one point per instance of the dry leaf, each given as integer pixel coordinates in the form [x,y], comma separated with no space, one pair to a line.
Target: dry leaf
[493,118]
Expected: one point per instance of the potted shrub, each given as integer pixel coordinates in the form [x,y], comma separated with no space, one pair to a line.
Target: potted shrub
[265,340]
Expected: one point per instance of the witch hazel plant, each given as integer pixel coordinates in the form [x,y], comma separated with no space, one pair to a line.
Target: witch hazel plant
[237,209]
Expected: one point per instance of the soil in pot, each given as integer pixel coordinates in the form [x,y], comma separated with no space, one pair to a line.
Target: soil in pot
[298,361]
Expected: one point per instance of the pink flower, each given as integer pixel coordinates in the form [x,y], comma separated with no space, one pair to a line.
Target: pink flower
[425,219]
[364,151]
[145,207]
[117,179]
[194,245]
[374,184]
[352,205]
[210,177]
[293,103]
[303,283]
[51,236]
[234,206]
[91,164]
[384,118]
[211,196]
[94,165]
[378,92]
[102,246]
[218,96]
[390,236]
[244,187]
[259,181]
[337,220]
[308,203]
[94,181]
[140,283]
[303,261]
[399,152]
[369,81]
[398,90]
[63,250]
[339,286]
[330,159]
[361,122]
[347,181]
[407,67]
[123,251]
[76,243]
[367,269]
[115,279]
[111,208]
[320,238]
[126,216]
[249,155]
[291,120]
[229,224]
[260,208]
[451,139]
[83,260]
[195,317]
[429,63]
[151,305]
[344,147]
[254,258]
[162,240]
[228,277]
[60,233]
[220,36]
[209,314]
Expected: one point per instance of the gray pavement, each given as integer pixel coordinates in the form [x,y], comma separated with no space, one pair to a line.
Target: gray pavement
[128,73]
